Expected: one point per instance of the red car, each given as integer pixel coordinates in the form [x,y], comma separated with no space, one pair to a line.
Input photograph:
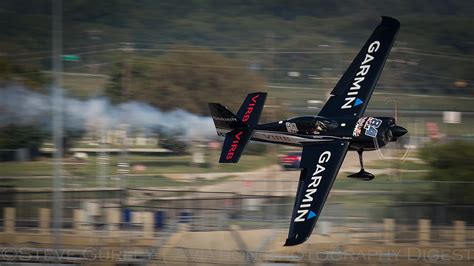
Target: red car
[291,160]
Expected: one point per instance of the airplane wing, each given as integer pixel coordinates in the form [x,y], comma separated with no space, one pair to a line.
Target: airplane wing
[320,164]
[352,93]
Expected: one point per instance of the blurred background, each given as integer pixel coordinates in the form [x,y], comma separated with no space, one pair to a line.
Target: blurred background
[108,154]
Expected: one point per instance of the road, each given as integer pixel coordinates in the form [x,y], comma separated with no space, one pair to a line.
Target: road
[271,180]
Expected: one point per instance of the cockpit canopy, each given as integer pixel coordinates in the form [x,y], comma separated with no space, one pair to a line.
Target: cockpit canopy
[310,125]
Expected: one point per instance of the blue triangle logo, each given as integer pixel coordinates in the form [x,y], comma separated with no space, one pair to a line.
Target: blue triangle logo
[358,102]
[311,215]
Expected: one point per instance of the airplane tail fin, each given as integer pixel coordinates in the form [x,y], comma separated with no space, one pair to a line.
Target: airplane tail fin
[252,108]
[237,129]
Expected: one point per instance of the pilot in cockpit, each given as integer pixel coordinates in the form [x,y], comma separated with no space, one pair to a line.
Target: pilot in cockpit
[320,127]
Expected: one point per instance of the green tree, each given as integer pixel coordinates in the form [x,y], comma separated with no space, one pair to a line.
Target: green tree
[171,142]
[26,74]
[186,80]
[17,137]
[451,162]
[115,88]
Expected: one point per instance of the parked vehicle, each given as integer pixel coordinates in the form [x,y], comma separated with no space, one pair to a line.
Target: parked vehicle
[291,161]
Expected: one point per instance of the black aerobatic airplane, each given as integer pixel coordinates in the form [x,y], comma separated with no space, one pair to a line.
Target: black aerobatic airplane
[340,126]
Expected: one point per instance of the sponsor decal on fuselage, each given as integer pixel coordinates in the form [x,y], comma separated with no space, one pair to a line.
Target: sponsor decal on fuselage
[277,137]
[358,127]
[351,99]
[303,213]
[370,126]
[291,127]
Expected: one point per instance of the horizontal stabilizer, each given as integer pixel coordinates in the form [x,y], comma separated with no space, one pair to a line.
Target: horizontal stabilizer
[223,118]
[234,144]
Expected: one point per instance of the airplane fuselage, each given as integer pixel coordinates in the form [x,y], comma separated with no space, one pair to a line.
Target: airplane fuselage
[366,133]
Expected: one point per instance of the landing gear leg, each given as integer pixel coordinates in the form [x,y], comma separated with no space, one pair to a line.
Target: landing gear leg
[362,174]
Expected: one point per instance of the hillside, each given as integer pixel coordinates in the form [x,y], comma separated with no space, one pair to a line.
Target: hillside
[434,52]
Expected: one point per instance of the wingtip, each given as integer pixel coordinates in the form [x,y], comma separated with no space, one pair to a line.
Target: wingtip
[294,241]
[390,20]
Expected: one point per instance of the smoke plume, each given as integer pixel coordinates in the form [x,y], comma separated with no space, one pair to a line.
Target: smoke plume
[21,106]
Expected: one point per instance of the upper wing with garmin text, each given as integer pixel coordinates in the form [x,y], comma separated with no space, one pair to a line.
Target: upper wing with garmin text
[352,93]
[320,164]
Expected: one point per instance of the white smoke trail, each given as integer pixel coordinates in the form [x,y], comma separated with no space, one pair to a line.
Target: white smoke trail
[21,106]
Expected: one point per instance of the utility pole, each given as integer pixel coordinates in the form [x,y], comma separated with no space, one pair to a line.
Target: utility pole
[123,164]
[270,43]
[103,157]
[57,103]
